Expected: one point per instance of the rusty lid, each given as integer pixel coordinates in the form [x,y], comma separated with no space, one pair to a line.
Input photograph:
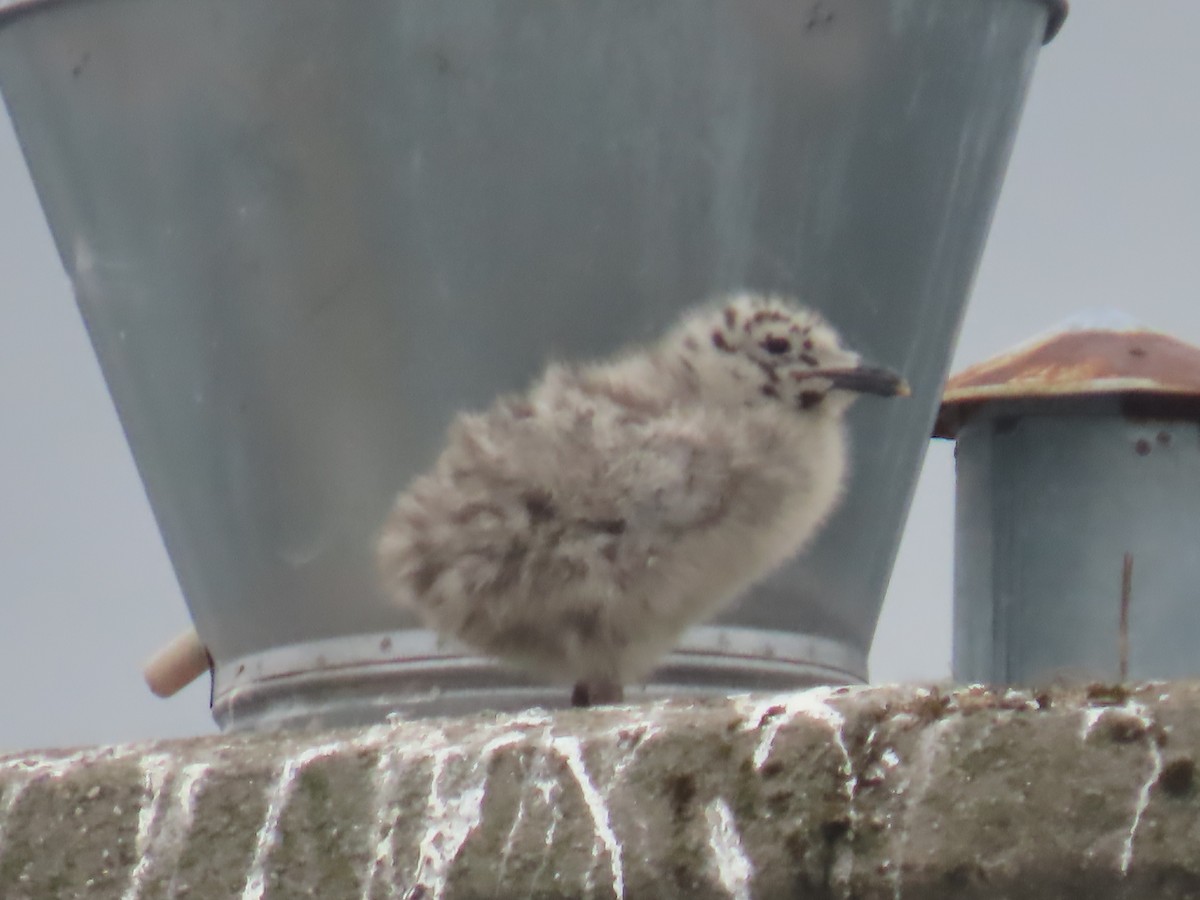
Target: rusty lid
[1105,356]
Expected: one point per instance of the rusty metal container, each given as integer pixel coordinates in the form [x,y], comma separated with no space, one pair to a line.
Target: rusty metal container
[1077,507]
[304,234]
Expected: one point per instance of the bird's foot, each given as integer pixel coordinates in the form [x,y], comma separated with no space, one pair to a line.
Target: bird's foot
[596,693]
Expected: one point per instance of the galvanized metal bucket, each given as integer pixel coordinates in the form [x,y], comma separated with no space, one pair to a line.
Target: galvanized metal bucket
[1078,506]
[303,234]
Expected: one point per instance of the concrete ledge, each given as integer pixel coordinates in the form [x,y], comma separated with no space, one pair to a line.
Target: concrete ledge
[886,792]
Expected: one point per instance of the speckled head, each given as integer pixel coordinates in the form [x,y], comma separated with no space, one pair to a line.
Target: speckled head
[756,349]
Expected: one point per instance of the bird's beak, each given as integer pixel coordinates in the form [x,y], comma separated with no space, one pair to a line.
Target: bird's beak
[866,380]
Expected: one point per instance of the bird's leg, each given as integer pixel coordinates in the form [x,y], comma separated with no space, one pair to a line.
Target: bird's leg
[601,692]
[580,696]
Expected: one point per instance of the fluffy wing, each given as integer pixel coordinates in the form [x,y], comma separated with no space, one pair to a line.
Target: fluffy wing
[543,515]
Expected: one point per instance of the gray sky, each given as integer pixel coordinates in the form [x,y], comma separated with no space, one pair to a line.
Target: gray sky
[1101,208]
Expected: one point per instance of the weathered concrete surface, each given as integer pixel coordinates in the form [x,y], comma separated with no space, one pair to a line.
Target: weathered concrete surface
[890,792]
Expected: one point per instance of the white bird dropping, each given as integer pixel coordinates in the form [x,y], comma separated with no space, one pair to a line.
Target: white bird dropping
[577,530]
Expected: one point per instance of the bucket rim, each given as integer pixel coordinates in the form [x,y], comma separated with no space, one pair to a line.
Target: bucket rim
[1056,12]
[413,673]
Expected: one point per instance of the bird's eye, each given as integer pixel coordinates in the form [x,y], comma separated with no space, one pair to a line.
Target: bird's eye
[776,345]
